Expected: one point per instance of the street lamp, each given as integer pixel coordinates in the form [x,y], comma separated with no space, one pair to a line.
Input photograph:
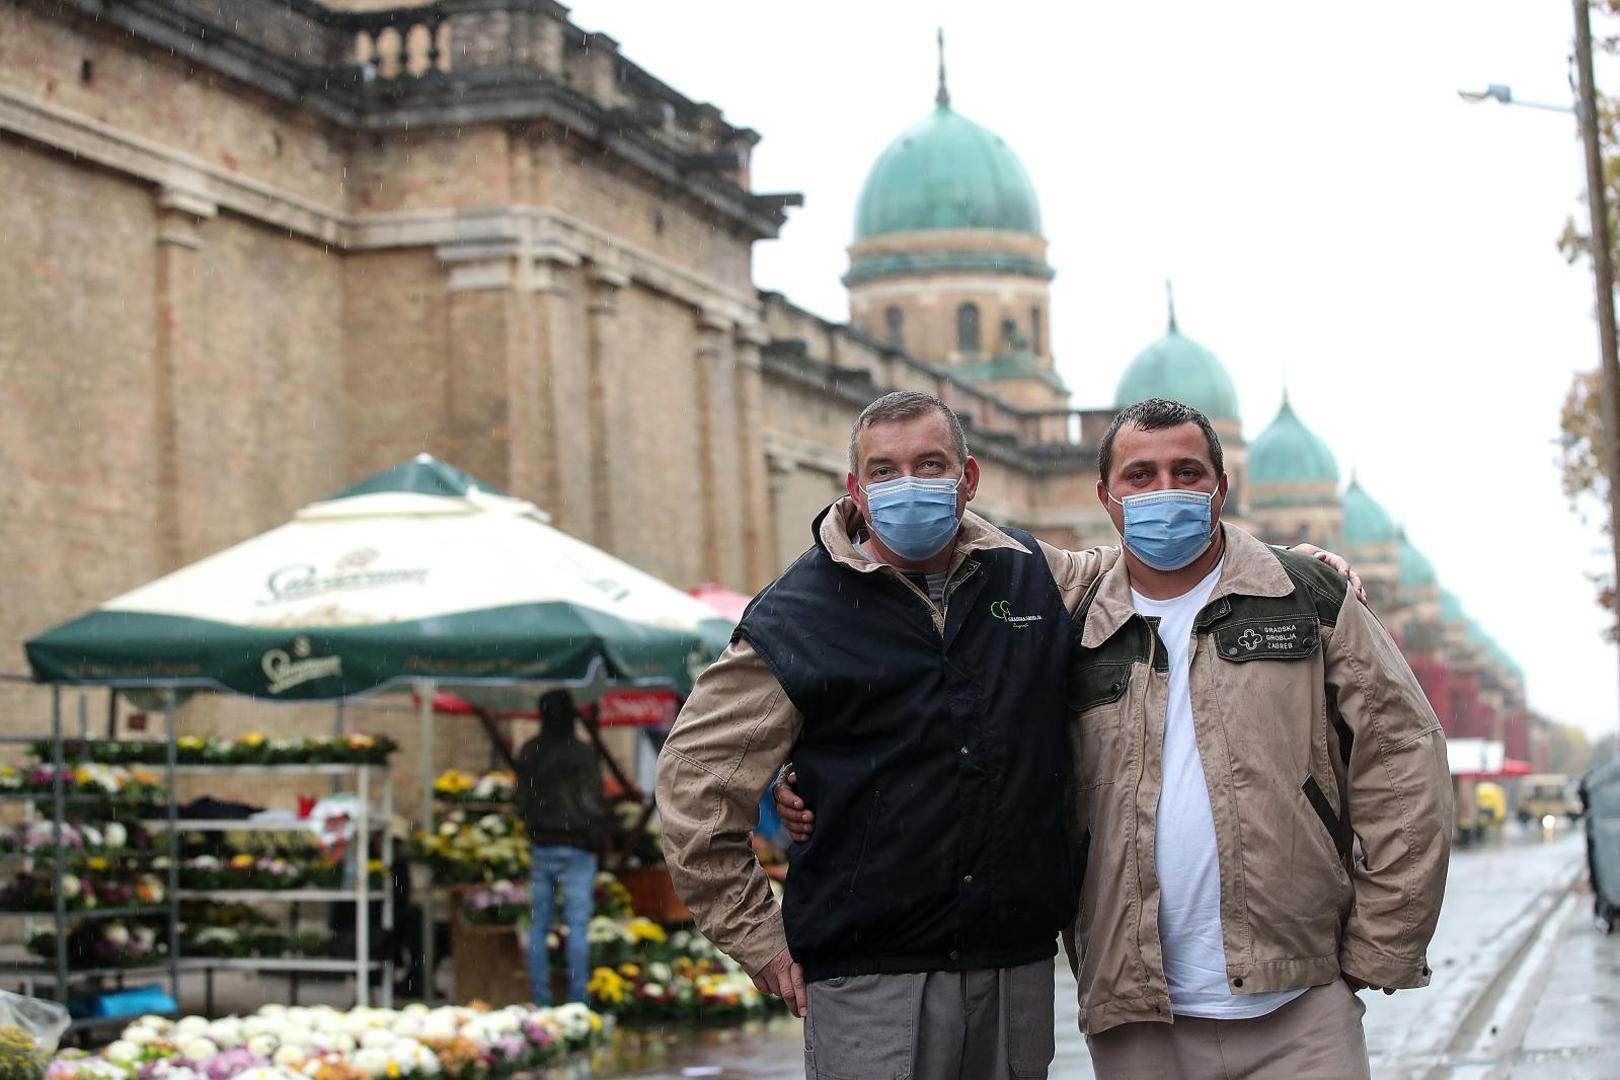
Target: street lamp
[1504,94]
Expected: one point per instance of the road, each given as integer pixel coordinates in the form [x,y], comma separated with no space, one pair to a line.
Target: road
[1523,987]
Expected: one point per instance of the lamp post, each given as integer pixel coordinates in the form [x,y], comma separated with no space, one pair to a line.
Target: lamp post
[1597,201]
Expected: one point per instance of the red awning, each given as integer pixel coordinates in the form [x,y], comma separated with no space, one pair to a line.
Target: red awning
[728,603]
[618,708]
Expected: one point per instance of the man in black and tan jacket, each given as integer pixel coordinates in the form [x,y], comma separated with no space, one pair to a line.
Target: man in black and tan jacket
[912,663]
[1239,722]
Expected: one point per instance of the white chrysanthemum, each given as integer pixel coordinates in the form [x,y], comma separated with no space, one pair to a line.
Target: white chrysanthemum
[379,1038]
[190,1026]
[290,1055]
[372,1062]
[268,1073]
[262,1045]
[227,1032]
[123,1052]
[658,971]
[199,1049]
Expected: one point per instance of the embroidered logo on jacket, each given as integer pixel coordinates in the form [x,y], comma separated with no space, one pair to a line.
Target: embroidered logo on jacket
[1002,609]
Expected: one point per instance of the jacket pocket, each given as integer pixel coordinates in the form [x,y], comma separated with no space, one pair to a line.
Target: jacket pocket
[1325,813]
[866,840]
[1097,695]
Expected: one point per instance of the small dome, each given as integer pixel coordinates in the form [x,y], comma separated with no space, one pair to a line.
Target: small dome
[1288,452]
[1178,368]
[1417,572]
[1366,523]
[947,172]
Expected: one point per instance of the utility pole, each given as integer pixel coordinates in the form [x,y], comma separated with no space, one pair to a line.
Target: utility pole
[1597,202]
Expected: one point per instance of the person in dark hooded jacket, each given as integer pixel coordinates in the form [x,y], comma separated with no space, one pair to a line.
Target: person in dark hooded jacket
[559,798]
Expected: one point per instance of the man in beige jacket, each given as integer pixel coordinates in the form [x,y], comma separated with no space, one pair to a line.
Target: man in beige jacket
[1239,722]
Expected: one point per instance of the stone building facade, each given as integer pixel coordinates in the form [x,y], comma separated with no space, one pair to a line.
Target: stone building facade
[258,249]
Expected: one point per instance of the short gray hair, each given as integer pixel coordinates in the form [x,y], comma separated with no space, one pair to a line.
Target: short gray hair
[906,405]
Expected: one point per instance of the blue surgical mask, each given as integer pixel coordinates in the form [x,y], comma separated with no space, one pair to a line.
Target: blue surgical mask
[914,517]
[1168,529]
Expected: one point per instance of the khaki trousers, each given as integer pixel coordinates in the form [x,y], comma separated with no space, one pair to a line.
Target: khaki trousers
[1317,1036]
[994,1024]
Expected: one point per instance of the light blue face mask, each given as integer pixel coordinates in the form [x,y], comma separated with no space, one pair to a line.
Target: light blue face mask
[1170,528]
[914,517]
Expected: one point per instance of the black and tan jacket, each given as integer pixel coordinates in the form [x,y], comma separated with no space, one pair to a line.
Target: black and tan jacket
[938,777]
[1313,733]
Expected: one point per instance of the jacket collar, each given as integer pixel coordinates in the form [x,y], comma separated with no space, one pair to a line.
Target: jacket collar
[1250,569]
[836,529]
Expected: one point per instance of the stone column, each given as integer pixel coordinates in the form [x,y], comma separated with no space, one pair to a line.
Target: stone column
[758,522]
[506,306]
[612,489]
[182,487]
[718,451]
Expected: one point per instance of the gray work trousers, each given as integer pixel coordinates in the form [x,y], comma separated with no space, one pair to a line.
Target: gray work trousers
[993,1024]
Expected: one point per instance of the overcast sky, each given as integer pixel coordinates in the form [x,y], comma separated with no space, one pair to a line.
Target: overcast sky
[1331,213]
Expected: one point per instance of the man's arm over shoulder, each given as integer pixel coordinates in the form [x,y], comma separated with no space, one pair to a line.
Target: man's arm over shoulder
[1074,571]
[1399,801]
[735,729]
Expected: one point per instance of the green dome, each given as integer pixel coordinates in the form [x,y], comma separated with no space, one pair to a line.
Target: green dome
[947,173]
[1366,523]
[1451,609]
[1417,572]
[1178,368]
[1288,452]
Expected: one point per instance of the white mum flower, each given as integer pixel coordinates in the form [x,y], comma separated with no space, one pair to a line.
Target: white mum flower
[191,1025]
[290,1055]
[380,1039]
[262,1045]
[124,1052]
[372,1062]
[199,1049]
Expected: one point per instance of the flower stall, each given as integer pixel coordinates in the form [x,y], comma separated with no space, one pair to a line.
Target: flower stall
[413,579]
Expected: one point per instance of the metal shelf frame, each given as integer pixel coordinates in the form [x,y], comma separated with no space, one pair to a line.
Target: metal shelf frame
[369,820]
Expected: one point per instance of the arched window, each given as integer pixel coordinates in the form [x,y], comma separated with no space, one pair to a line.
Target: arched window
[894,323]
[967,328]
[1035,330]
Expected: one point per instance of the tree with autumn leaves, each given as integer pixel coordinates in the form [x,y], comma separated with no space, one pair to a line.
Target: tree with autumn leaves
[1582,458]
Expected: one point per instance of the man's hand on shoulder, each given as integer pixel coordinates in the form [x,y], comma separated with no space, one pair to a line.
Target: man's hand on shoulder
[1339,563]
[790,808]
[784,978]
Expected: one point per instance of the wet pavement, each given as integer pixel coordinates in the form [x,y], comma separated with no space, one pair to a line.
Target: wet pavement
[1523,987]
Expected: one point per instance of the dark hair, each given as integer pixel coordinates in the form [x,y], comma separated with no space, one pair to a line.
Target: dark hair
[557,714]
[906,405]
[1156,414]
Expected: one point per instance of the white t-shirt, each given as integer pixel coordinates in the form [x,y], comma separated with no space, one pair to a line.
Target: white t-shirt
[1188,865]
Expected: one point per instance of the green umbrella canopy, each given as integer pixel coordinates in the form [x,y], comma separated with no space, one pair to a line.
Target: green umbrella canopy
[417,573]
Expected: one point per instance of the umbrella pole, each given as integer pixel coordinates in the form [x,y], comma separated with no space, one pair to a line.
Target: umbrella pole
[425,691]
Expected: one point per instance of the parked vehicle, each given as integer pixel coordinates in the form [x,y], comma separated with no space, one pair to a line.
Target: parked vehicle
[1600,795]
[1548,795]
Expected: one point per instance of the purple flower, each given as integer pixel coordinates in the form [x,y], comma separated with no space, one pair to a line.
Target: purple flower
[231,1062]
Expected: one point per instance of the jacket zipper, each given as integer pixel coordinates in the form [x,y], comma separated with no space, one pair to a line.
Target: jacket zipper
[944,607]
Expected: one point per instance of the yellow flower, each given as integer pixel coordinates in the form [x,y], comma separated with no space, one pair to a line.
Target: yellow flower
[629,971]
[242,862]
[252,738]
[97,863]
[646,930]
[393,1070]
[191,742]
